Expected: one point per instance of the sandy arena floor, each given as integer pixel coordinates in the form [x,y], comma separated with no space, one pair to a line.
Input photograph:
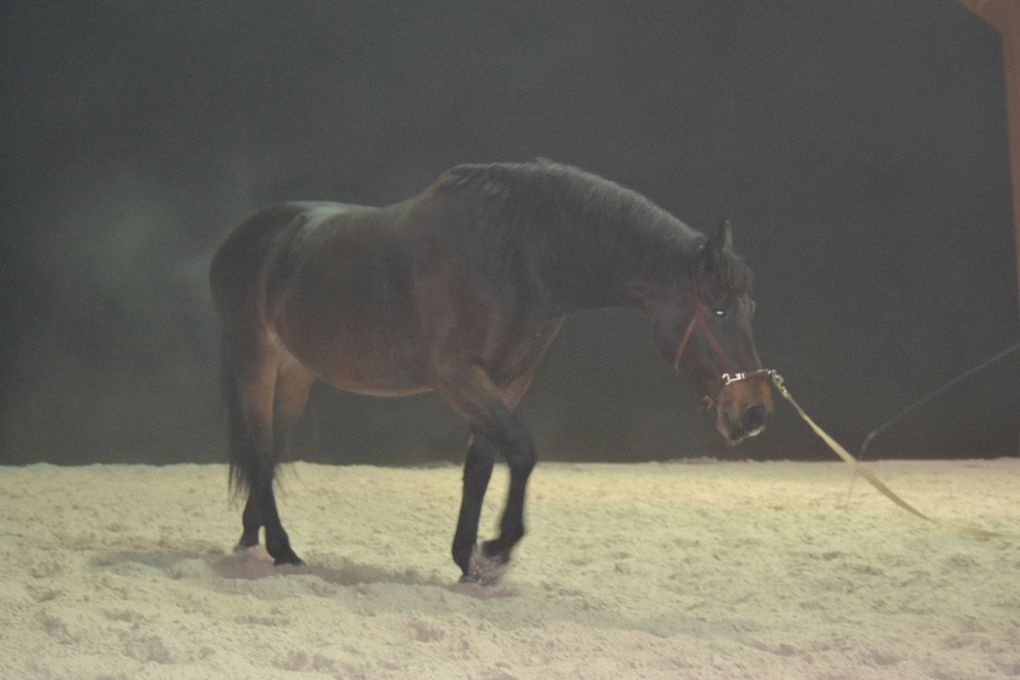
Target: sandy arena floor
[686,570]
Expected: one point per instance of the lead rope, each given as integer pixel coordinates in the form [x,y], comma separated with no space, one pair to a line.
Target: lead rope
[858,469]
[920,402]
[867,474]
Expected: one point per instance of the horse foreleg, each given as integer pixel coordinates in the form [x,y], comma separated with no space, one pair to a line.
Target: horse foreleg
[520,458]
[481,455]
[470,392]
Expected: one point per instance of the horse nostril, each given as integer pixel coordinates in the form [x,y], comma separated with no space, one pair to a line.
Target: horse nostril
[755,417]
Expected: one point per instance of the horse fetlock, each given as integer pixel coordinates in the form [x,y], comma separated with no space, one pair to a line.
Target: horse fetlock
[511,534]
[497,549]
[462,551]
[248,540]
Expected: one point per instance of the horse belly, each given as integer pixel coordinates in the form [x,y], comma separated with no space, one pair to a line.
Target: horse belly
[349,354]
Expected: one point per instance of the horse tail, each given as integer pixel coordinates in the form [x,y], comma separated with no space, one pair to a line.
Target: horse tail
[235,282]
[248,359]
[243,463]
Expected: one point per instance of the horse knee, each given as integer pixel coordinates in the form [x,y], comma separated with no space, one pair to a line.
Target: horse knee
[520,453]
[480,452]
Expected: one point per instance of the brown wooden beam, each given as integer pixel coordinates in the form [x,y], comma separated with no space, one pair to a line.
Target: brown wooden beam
[1011,50]
[1004,16]
[996,12]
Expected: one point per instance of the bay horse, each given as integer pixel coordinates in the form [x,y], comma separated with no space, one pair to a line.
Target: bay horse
[460,290]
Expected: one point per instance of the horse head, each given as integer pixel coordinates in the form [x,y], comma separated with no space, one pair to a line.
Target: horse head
[702,324]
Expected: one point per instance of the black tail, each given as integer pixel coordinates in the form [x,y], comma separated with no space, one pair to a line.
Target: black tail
[243,459]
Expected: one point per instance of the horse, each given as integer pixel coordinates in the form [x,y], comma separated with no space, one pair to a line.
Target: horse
[460,290]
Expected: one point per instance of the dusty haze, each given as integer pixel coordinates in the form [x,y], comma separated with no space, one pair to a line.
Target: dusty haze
[859,148]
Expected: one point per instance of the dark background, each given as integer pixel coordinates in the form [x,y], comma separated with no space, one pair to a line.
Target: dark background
[859,148]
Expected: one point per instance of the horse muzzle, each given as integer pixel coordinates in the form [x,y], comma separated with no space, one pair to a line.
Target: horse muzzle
[743,406]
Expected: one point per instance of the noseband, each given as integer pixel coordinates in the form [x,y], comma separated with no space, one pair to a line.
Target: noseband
[731,374]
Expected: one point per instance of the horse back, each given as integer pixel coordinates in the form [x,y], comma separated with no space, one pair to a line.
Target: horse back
[332,283]
[253,262]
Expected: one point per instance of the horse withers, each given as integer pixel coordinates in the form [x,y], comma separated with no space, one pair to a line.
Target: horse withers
[460,290]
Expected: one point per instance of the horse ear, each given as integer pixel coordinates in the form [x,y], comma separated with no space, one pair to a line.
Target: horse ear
[721,238]
[718,241]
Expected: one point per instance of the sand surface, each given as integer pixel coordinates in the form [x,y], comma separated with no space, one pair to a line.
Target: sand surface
[683,570]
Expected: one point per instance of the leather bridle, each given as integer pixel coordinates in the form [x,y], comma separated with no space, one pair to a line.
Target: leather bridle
[731,374]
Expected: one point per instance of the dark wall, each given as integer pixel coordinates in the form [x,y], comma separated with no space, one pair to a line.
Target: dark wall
[859,148]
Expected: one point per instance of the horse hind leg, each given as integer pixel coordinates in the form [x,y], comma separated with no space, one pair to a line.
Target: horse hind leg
[251,520]
[293,384]
[290,393]
[261,389]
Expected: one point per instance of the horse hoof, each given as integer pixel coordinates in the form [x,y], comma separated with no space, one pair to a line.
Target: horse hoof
[485,569]
[287,557]
[295,562]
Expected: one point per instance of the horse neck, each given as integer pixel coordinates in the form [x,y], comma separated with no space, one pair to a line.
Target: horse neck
[593,269]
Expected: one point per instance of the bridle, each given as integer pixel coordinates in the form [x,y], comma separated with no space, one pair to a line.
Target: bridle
[731,374]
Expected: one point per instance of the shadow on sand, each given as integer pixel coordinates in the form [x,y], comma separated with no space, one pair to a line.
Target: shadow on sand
[255,563]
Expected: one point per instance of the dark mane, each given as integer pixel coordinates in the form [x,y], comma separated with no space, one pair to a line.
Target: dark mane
[606,217]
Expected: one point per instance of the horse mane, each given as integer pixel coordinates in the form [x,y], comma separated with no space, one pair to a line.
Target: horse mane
[543,194]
